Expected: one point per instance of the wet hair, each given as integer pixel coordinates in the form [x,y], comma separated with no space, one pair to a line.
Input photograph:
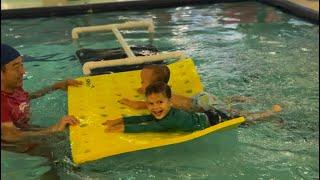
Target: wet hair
[160,72]
[158,87]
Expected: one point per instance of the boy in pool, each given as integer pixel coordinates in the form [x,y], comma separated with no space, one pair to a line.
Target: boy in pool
[164,117]
[200,102]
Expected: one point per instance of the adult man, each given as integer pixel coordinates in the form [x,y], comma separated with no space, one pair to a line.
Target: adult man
[15,127]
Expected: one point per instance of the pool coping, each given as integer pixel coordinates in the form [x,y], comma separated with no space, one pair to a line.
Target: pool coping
[285,5]
[101,7]
[294,8]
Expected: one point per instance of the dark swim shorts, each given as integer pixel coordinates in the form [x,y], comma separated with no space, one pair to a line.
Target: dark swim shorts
[215,116]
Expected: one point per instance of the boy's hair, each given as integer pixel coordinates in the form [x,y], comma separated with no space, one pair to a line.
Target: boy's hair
[160,72]
[159,87]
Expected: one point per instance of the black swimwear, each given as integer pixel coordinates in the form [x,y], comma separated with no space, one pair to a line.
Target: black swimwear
[215,116]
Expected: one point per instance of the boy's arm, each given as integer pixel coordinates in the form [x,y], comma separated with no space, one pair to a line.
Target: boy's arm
[137,119]
[132,119]
[118,125]
[133,104]
[59,85]
[150,127]
[181,102]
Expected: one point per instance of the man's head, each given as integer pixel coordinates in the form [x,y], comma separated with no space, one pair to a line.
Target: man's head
[153,73]
[12,69]
[158,97]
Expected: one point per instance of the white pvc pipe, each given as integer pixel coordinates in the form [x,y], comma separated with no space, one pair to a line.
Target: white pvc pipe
[123,43]
[127,25]
[88,66]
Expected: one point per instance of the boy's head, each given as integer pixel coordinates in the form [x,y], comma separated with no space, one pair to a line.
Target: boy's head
[153,73]
[158,97]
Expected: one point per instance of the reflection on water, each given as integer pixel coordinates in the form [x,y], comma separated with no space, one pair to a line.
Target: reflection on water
[239,49]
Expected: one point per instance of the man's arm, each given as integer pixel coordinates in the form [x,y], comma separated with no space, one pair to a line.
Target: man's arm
[10,133]
[59,85]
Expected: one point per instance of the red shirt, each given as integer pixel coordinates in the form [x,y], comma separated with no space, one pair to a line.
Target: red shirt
[15,107]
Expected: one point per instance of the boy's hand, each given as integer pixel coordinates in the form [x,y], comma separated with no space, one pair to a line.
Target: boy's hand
[64,84]
[115,128]
[140,90]
[113,122]
[125,101]
[133,104]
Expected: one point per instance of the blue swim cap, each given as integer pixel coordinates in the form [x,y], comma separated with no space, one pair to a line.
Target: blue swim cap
[8,54]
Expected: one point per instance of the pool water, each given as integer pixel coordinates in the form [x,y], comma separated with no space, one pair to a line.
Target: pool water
[247,49]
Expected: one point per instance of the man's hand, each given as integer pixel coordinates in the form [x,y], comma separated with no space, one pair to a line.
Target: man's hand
[64,121]
[64,84]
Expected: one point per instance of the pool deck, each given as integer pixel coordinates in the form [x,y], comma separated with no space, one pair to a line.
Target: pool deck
[42,8]
[311,4]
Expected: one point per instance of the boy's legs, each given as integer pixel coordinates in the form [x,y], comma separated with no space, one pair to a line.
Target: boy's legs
[216,116]
[203,101]
[252,117]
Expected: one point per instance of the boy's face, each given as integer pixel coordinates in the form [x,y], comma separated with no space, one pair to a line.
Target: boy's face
[146,79]
[158,104]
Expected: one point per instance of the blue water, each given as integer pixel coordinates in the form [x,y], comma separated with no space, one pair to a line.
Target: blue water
[245,49]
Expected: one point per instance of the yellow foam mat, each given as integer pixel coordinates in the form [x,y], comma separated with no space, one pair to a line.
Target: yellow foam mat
[96,101]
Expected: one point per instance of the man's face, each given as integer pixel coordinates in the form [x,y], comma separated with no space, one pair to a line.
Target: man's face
[146,79]
[158,105]
[12,74]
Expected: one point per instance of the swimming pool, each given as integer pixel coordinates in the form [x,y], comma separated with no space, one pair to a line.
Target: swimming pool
[239,49]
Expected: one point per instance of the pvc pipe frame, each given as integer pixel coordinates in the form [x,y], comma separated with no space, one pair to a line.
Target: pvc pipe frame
[115,29]
[88,66]
[123,43]
[132,59]
[127,25]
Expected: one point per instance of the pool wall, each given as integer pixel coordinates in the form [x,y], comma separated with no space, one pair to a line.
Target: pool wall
[101,7]
[297,9]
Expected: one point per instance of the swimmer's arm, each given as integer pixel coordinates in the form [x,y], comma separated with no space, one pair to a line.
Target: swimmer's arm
[150,127]
[133,104]
[41,92]
[137,119]
[10,133]
[63,85]
[117,125]
[181,102]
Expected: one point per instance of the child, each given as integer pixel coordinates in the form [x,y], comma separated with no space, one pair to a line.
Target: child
[200,102]
[164,117]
